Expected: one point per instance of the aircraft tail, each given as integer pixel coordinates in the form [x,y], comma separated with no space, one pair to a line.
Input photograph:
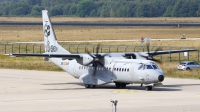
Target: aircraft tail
[50,41]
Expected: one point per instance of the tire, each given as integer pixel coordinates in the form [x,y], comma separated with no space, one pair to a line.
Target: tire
[187,68]
[148,88]
[120,85]
[117,85]
[92,86]
[123,85]
[87,86]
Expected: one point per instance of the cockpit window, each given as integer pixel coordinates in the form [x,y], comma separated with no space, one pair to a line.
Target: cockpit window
[149,67]
[140,67]
[155,67]
[144,66]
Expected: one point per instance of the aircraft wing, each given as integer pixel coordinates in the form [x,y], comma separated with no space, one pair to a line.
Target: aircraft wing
[66,56]
[163,52]
[78,56]
[170,52]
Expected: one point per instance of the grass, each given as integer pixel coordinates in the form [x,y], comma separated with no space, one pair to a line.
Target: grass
[170,70]
[35,33]
[33,63]
[128,20]
[63,33]
[36,63]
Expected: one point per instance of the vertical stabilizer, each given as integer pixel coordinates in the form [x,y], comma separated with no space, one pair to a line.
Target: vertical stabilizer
[50,41]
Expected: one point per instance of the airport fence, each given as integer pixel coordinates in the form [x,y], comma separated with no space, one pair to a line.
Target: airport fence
[37,48]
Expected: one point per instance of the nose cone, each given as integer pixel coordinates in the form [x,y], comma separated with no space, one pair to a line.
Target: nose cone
[161,78]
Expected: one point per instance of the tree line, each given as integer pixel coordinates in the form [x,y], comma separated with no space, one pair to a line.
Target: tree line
[102,8]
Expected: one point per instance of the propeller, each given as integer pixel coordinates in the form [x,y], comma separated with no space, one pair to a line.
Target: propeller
[150,55]
[96,59]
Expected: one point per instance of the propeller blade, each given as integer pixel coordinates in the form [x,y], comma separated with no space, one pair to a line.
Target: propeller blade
[88,52]
[148,47]
[100,63]
[105,55]
[150,57]
[96,59]
[97,49]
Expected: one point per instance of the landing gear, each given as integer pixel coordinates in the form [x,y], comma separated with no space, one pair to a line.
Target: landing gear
[87,86]
[120,85]
[148,88]
[90,86]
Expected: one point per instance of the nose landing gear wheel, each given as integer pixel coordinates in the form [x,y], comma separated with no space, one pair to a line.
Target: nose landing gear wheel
[148,88]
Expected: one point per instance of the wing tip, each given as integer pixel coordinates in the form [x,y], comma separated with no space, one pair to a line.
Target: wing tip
[11,55]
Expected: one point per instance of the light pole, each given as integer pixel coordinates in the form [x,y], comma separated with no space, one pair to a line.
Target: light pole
[115,104]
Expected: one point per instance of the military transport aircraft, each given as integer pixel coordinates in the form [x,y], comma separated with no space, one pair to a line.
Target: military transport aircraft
[103,68]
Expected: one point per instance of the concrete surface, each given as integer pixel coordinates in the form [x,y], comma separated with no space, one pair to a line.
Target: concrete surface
[46,91]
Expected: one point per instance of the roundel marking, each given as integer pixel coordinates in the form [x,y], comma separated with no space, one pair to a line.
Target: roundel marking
[46,30]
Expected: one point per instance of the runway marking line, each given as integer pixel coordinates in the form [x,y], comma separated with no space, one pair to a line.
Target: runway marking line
[124,91]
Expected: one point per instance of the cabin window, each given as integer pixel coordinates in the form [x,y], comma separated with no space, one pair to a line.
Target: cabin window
[119,69]
[155,67]
[127,70]
[122,69]
[109,68]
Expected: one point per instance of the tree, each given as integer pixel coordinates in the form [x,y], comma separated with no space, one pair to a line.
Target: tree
[73,9]
[20,8]
[57,10]
[34,2]
[147,10]
[36,10]
[85,7]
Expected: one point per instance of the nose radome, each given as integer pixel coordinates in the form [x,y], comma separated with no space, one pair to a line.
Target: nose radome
[160,78]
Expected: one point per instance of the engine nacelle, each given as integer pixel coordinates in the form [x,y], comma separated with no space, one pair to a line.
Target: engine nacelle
[85,59]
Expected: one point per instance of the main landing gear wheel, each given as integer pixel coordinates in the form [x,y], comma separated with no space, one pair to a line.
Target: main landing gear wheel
[87,86]
[90,86]
[120,85]
[148,88]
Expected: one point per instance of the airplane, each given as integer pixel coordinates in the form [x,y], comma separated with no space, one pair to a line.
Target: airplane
[95,69]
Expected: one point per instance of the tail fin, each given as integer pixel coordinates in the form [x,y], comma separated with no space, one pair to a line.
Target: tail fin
[50,41]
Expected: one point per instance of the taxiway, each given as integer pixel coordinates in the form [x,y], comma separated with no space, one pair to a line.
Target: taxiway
[47,91]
